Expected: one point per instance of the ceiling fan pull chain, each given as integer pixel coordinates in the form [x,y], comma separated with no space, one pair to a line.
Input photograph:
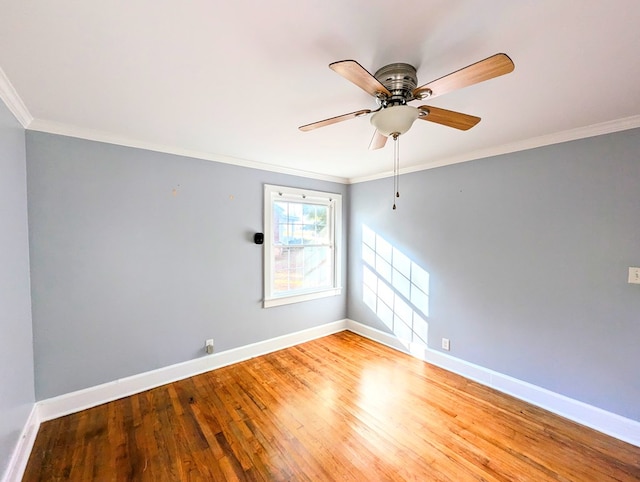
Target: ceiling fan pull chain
[395,168]
[398,167]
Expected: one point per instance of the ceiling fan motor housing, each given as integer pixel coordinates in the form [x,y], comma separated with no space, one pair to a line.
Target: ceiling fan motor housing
[399,79]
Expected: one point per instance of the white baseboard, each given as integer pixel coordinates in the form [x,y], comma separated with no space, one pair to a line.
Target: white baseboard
[606,422]
[609,423]
[90,397]
[21,453]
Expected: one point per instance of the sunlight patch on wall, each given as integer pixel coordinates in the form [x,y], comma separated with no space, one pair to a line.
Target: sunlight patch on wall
[396,289]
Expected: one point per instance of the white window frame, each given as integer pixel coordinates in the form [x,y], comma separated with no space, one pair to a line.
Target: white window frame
[334,219]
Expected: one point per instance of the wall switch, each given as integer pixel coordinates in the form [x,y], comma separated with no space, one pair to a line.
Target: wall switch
[445,344]
[208,346]
[634,276]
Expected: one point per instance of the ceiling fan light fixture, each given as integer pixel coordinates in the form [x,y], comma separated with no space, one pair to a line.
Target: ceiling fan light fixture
[396,119]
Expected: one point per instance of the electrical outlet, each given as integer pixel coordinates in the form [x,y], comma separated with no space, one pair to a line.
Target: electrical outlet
[634,276]
[445,344]
[208,346]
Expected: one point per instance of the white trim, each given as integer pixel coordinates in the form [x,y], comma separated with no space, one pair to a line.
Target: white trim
[50,127]
[333,202]
[15,104]
[609,423]
[532,143]
[90,397]
[22,451]
[612,424]
[12,100]
[376,335]
[286,300]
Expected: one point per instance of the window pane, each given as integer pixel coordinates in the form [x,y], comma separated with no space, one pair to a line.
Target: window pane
[295,212]
[300,223]
[287,276]
[315,227]
[301,268]
[317,267]
[280,224]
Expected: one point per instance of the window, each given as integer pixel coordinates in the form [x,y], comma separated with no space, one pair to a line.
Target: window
[302,245]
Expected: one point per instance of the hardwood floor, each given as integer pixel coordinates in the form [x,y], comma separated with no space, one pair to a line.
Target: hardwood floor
[338,408]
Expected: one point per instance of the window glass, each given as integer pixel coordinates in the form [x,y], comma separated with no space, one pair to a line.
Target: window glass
[302,244]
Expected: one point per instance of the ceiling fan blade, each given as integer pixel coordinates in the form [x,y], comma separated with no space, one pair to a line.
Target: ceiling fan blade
[377,141]
[356,73]
[448,118]
[494,66]
[334,120]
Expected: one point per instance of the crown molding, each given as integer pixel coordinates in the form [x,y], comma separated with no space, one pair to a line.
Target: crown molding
[16,106]
[12,100]
[50,127]
[602,128]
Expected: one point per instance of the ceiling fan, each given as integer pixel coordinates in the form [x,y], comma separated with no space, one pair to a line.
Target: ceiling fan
[394,85]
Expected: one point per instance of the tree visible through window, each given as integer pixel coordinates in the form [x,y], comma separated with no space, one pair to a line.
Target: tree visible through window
[301,255]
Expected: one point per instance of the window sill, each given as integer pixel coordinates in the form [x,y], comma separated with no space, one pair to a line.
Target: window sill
[286,300]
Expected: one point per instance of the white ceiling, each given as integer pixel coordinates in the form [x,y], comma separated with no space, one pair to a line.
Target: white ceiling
[232,81]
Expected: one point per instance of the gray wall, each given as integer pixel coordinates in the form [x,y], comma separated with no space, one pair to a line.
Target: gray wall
[528,255]
[16,347]
[128,277]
